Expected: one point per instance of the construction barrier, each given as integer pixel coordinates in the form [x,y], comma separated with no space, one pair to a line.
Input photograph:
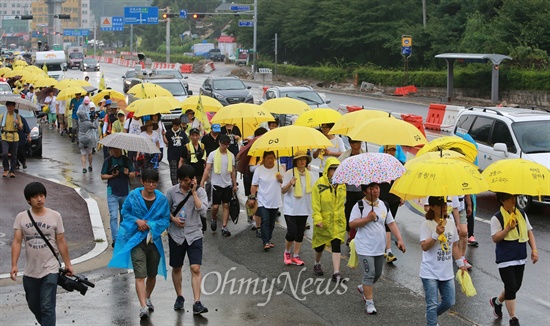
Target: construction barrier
[415,120]
[353,108]
[436,113]
[402,91]
[451,114]
[186,68]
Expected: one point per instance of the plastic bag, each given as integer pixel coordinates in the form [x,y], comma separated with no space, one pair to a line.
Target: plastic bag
[465,281]
[353,260]
[46,109]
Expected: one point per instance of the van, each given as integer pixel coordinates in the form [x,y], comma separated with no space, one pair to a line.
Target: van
[75,56]
[54,61]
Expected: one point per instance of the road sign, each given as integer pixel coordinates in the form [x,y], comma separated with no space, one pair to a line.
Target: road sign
[246,23]
[76,32]
[141,15]
[10,17]
[236,7]
[406,50]
[183,13]
[106,23]
[118,23]
[406,41]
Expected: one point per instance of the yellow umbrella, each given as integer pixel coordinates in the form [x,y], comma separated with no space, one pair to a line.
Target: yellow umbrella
[22,63]
[65,83]
[426,156]
[70,92]
[246,116]
[285,105]
[288,140]
[4,70]
[112,94]
[518,177]
[152,106]
[350,120]
[387,131]
[210,104]
[439,177]
[33,77]
[317,117]
[44,82]
[14,73]
[454,143]
[145,90]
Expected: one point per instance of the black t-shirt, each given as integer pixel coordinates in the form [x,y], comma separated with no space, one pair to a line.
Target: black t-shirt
[210,143]
[233,145]
[176,143]
[119,186]
[199,165]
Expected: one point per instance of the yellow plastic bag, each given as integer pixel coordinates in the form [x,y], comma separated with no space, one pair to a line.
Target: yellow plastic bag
[353,261]
[46,109]
[465,281]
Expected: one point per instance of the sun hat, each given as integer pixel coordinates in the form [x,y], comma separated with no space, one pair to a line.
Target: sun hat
[150,123]
[300,154]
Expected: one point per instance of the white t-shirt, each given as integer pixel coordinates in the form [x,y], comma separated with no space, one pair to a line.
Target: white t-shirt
[154,137]
[297,206]
[370,239]
[338,146]
[60,107]
[224,178]
[438,264]
[495,228]
[133,126]
[269,189]
[159,131]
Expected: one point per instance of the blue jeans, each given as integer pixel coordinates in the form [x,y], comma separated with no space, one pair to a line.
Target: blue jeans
[40,294]
[269,216]
[433,307]
[115,206]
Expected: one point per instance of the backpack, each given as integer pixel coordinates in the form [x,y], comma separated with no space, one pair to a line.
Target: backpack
[361,206]
[125,159]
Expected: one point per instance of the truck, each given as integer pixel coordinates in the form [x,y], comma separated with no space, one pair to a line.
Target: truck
[201,49]
[75,55]
[215,55]
[54,62]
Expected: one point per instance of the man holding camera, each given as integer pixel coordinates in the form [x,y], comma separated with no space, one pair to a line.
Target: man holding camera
[41,266]
[117,170]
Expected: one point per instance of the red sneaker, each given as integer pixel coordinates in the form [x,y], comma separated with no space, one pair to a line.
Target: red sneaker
[296,260]
[287,258]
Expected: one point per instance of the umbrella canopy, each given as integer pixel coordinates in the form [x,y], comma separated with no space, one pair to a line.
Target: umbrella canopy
[70,92]
[44,82]
[21,72]
[210,104]
[66,83]
[439,177]
[20,103]
[454,143]
[426,156]
[43,93]
[129,142]
[153,106]
[285,105]
[36,70]
[350,120]
[112,94]
[366,168]
[518,177]
[387,131]
[317,117]
[287,140]
[4,70]
[21,63]
[145,90]
[245,116]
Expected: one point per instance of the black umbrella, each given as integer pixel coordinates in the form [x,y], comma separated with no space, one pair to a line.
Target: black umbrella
[43,93]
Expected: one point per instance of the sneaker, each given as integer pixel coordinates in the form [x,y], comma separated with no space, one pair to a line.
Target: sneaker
[471,239]
[308,226]
[90,168]
[514,321]
[497,308]
[317,270]
[390,257]
[287,258]
[254,228]
[360,289]
[258,233]
[198,308]
[149,304]
[179,303]
[336,278]
[296,260]
[214,225]
[226,232]
[249,220]
[84,170]
[369,306]
[144,313]
[467,264]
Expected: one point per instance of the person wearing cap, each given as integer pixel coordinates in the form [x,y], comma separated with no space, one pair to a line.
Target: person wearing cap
[353,193]
[192,121]
[221,163]
[335,151]
[439,243]
[10,124]
[175,139]
[194,154]
[329,220]
[369,216]
[148,132]
[74,105]
[297,187]
[210,140]
[234,134]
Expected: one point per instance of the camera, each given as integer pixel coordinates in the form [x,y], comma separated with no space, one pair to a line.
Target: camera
[113,169]
[79,283]
[93,115]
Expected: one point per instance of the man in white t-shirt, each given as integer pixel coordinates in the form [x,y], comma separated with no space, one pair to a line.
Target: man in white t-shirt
[61,124]
[336,150]
[224,181]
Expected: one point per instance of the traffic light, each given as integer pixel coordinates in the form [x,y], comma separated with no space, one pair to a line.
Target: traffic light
[25,17]
[62,16]
[197,16]
[170,15]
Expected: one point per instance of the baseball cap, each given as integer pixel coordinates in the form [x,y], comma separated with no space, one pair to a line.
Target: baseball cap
[436,201]
[217,127]
[108,102]
[224,139]
[86,100]
[194,131]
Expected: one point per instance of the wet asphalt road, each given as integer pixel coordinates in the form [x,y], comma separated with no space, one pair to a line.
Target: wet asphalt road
[398,295]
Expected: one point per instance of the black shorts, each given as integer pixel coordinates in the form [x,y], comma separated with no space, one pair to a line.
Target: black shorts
[221,195]
[177,252]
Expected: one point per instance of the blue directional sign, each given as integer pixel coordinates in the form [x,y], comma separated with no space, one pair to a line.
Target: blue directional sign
[76,32]
[118,23]
[406,50]
[183,13]
[240,8]
[141,15]
[246,23]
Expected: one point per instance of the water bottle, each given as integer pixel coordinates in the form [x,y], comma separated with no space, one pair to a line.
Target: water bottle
[182,215]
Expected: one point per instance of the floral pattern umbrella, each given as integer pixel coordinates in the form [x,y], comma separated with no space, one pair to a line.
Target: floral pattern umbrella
[366,168]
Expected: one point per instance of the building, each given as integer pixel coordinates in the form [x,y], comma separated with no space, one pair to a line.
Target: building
[39,24]
[14,30]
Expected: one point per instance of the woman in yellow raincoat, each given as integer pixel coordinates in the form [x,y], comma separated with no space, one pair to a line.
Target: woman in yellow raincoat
[329,218]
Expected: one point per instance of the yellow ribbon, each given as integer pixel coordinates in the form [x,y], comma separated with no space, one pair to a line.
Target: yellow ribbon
[298,185]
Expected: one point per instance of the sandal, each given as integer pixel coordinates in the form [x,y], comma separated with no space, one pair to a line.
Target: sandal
[271,245]
[12,175]
[5,174]
[266,247]
[84,170]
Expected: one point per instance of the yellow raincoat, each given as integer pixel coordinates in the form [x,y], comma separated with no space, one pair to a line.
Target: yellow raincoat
[328,207]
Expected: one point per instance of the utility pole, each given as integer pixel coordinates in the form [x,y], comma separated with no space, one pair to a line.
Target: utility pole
[131,39]
[167,34]
[424,13]
[254,68]
[95,39]
[276,51]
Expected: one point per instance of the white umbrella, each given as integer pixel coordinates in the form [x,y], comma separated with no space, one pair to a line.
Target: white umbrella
[20,103]
[130,142]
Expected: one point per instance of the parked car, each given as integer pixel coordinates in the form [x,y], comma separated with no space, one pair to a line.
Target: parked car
[133,77]
[173,73]
[303,93]
[35,148]
[503,133]
[227,90]
[5,88]
[89,64]
[215,55]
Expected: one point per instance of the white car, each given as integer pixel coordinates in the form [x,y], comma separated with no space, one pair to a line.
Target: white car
[5,88]
[502,133]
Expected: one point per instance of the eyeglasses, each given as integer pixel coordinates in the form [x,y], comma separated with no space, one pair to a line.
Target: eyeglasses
[150,182]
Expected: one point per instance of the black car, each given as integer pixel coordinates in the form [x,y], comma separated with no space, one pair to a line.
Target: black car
[227,90]
[89,64]
[35,148]
[133,77]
